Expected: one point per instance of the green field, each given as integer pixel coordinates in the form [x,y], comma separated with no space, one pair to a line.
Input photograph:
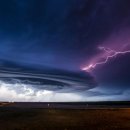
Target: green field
[61,119]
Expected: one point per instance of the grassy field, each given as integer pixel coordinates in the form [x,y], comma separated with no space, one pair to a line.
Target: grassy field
[61,119]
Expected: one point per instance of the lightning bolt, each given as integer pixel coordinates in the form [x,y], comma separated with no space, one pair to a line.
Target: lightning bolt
[109,55]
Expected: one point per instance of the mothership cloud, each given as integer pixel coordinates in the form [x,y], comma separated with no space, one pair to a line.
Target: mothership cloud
[32,82]
[50,81]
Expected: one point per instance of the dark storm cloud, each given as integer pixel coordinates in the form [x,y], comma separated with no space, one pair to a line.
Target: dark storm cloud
[48,79]
[50,31]
[63,34]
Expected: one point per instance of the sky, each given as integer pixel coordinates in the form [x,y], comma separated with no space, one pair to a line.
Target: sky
[68,35]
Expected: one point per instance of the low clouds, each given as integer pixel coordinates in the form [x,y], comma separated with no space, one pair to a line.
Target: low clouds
[43,85]
[28,93]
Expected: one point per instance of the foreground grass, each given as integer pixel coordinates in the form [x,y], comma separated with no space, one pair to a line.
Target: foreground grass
[60,119]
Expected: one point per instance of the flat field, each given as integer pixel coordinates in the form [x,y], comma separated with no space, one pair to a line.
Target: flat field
[64,119]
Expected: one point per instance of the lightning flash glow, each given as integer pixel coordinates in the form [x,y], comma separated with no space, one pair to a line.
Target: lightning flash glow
[107,56]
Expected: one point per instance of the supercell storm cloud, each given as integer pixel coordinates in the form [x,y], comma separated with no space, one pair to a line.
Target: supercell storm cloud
[64,50]
[56,81]
[28,83]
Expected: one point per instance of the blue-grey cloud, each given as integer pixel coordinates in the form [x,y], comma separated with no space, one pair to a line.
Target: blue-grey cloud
[47,78]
